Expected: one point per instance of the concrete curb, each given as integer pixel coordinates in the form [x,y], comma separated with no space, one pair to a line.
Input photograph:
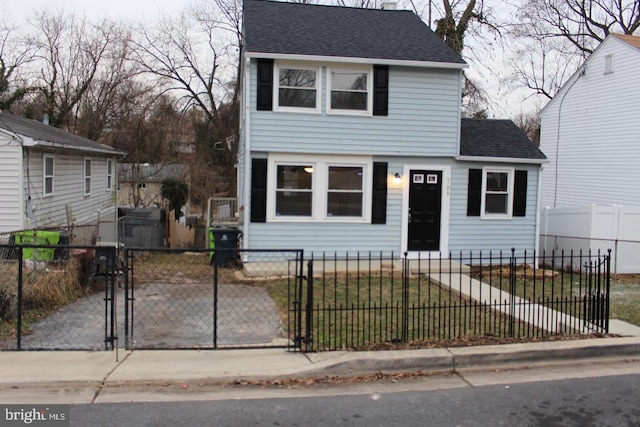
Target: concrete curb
[94,370]
[479,357]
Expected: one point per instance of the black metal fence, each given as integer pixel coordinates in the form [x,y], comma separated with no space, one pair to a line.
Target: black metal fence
[103,297]
[368,302]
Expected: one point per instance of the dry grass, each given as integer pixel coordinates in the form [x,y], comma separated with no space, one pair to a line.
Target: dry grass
[44,291]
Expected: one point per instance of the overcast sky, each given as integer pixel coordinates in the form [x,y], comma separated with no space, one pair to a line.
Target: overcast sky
[503,104]
[20,9]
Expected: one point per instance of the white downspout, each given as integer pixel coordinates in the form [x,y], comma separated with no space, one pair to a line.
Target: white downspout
[246,199]
[537,224]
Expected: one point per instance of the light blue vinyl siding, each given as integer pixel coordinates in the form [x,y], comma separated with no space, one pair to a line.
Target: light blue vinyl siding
[465,233]
[476,234]
[423,120]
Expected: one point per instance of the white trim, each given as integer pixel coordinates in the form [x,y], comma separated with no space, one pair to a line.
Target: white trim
[45,176]
[350,60]
[510,185]
[319,186]
[500,160]
[85,176]
[23,192]
[246,192]
[276,86]
[369,91]
[109,175]
[444,212]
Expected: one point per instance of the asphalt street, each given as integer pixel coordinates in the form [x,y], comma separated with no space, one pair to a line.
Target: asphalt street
[595,401]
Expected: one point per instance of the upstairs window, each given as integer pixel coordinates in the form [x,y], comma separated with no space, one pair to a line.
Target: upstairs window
[350,91]
[297,88]
[47,174]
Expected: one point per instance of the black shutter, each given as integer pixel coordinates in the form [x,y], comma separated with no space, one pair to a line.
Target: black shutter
[265,85]
[380,90]
[259,190]
[379,203]
[520,195]
[474,192]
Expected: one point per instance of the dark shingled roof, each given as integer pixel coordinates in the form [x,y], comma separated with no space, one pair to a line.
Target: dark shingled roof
[49,135]
[303,29]
[496,138]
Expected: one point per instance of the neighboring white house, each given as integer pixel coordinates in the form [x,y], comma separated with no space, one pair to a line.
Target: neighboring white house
[51,178]
[351,139]
[590,131]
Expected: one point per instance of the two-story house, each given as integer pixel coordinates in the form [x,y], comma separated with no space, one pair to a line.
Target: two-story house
[589,193]
[351,139]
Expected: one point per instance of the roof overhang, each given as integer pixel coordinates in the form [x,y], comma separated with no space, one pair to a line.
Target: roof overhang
[350,60]
[29,142]
[500,160]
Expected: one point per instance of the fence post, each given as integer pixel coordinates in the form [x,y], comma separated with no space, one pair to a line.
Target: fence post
[405,298]
[309,309]
[608,296]
[20,296]
[215,300]
[125,272]
[512,292]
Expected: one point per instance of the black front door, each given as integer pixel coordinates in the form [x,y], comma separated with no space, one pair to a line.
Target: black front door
[425,201]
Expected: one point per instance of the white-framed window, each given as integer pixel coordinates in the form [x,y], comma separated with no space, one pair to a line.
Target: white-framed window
[497,193]
[47,174]
[345,191]
[294,190]
[87,176]
[330,188]
[297,88]
[142,185]
[350,91]
[109,174]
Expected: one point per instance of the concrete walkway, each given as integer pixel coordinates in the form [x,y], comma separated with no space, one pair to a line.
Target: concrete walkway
[81,377]
[536,315]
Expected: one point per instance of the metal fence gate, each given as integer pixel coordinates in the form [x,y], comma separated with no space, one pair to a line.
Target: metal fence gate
[202,298]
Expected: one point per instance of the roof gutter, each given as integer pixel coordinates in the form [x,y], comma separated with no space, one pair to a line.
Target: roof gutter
[500,160]
[28,142]
[346,59]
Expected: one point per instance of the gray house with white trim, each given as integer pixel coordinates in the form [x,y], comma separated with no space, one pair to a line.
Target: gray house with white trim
[51,178]
[351,139]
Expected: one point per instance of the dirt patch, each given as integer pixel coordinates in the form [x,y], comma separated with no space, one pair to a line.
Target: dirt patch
[477,341]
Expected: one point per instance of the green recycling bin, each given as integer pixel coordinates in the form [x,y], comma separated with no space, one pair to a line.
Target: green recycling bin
[36,238]
[225,242]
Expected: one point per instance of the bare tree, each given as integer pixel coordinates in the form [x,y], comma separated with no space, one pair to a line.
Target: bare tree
[112,87]
[554,36]
[530,125]
[15,55]
[70,51]
[196,57]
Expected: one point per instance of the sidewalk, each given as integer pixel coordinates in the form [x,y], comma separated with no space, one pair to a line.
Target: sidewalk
[60,369]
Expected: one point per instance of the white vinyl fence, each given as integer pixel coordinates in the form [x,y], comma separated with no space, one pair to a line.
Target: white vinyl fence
[594,228]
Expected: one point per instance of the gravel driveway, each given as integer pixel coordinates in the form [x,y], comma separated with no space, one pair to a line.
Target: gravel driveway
[165,316]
